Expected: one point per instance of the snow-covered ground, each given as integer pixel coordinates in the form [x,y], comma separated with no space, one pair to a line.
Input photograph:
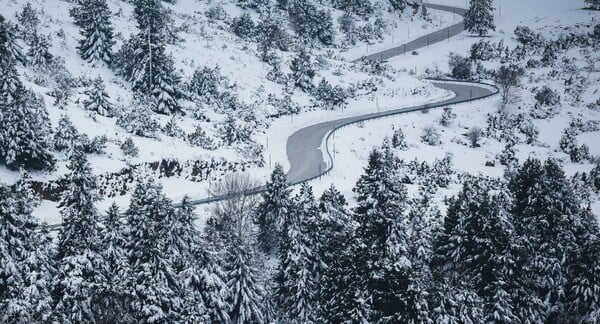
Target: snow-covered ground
[209,43]
[353,143]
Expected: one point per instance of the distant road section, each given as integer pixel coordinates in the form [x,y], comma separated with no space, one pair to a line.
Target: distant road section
[423,41]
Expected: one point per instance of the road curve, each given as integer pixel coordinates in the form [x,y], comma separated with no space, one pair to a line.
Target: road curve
[303,147]
[423,41]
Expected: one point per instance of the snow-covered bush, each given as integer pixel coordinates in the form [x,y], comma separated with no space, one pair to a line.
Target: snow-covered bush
[252,151]
[302,71]
[96,145]
[399,140]
[230,131]
[139,119]
[285,105]
[201,139]
[311,22]
[171,129]
[431,135]
[508,156]
[330,97]
[483,51]
[528,37]
[448,117]
[568,144]
[216,12]
[460,67]
[128,147]
[243,26]
[474,135]
[546,97]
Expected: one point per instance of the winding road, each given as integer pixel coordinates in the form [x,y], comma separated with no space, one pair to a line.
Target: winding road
[307,161]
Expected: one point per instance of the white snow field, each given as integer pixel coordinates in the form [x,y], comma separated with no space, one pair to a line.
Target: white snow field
[207,42]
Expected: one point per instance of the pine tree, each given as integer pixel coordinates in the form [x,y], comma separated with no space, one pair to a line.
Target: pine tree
[66,135]
[398,5]
[547,223]
[474,247]
[98,99]
[112,302]
[38,51]
[310,22]
[479,18]
[232,132]
[128,147]
[246,293]
[10,50]
[24,125]
[29,21]
[96,30]
[79,273]
[382,249]
[302,71]
[273,210]
[300,264]
[200,138]
[26,265]
[361,8]
[398,140]
[143,61]
[152,277]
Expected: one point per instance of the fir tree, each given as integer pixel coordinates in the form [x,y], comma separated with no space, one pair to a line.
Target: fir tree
[246,294]
[79,273]
[479,18]
[361,8]
[473,248]
[66,135]
[26,265]
[38,54]
[29,21]
[96,30]
[300,265]
[302,71]
[171,129]
[232,132]
[398,140]
[10,50]
[112,302]
[24,125]
[310,22]
[151,278]
[382,248]
[398,5]
[273,210]
[128,147]
[200,138]
[97,100]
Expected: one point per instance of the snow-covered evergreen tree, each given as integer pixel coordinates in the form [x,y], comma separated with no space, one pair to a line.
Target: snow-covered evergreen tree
[474,250]
[151,278]
[66,135]
[382,250]
[26,264]
[302,71]
[139,120]
[96,30]
[29,21]
[479,18]
[300,264]
[128,147]
[361,8]
[24,125]
[201,139]
[98,99]
[246,292]
[232,131]
[310,22]
[273,210]
[112,302]
[38,54]
[10,50]
[79,274]
[398,140]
